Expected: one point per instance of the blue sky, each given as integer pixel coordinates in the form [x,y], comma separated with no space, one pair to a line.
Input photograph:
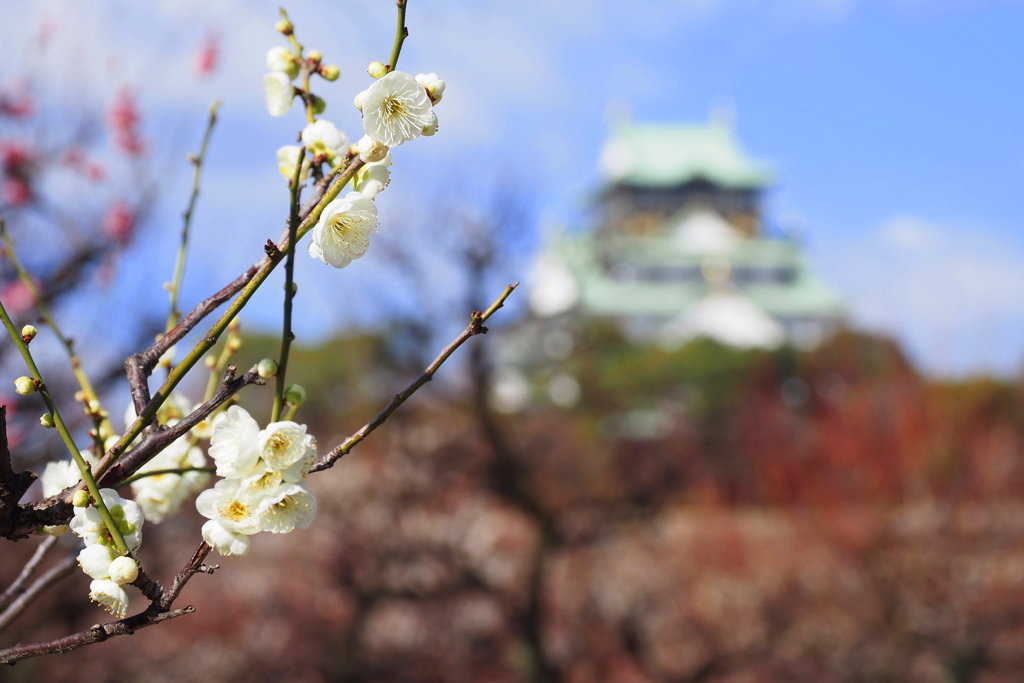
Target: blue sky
[894,126]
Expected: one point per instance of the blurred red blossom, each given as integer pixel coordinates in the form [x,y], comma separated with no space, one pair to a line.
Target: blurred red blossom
[123,120]
[119,222]
[208,56]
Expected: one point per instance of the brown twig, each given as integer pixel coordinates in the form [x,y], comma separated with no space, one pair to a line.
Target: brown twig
[18,586]
[158,611]
[140,366]
[159,438]
[44,582]
[475,327]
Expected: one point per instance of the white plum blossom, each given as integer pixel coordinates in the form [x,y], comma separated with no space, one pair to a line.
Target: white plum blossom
[110,596]
[370,150]
[433,85]
[282,444]
[89,525]
[283,60]
[59,475]
[343,232]
[372,178]
[232,517]
[396,109]
[161,495]
[285,508]
[95,560]
[233,445]
[324,142]
[287,157]
[278,93]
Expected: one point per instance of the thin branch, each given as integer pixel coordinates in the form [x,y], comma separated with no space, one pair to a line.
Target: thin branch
[59,571]
[400,35]
[172,470]
[65,435]
[289,292]
[44,310]
[475,327]
[18,586]
[158,612]
[159,438]
[197,174]
[264,267]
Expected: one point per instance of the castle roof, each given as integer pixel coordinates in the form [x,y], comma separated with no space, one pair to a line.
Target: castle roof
[653,155]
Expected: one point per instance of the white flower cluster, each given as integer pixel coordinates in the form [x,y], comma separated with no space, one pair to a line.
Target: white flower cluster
[100,559]
[396,108]
[262,489]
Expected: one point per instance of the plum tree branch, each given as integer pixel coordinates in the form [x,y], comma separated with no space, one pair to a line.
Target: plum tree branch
[475,327]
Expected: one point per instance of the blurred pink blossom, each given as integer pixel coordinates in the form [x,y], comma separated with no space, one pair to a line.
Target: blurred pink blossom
[123,120]
[119,223]
[208,56]
[17,297]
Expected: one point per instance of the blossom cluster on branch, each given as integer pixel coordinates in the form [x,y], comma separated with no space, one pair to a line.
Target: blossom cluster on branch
[261,485]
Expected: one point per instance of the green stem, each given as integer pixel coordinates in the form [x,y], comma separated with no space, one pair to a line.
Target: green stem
[197,174]
[174,470]
[65,435]
[401,34]
[291,412]
[76,362]
[211,337]
[289,291]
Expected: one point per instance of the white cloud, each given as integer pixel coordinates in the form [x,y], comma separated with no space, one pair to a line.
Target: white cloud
[954,294]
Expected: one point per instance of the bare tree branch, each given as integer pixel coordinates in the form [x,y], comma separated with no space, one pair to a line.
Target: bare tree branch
[158,611]
[160,437]
[18,586]
[50,578]
[474,328]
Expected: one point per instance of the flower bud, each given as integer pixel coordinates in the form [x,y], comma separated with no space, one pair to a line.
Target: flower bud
[80,396]
[377,70]
[94,407]
[80,499]
[284,27]
[295,394]
[370,150]
[331,72]
[234,325]
[123,570]
[431,126]
[24,385]
[318,104]
[28,333]
[315,57]
[46,419]
[359,100]
[267,368]
[210,362]
[234,343]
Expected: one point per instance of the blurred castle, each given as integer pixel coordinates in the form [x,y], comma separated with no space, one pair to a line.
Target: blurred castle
[681,251]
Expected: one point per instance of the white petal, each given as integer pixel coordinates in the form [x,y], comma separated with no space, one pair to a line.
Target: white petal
[225,542]
[233,445]
[292,506]
[109,596]
[282,444]
[95,561]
